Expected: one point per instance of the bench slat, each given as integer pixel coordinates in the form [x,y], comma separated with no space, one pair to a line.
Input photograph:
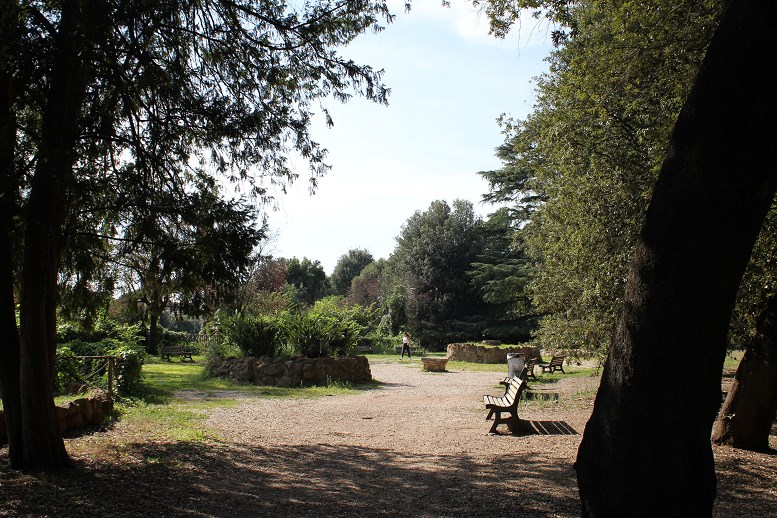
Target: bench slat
[507,403]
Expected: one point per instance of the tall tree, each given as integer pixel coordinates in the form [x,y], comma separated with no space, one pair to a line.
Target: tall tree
[347,268]
[433,253]
[582,165]
[308,278]
[746,417]
[196,254]
[645,451]
[10,181]
[501,273]
[367,287]
[116,94]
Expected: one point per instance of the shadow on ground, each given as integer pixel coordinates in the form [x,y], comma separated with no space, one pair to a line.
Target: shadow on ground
[553,428]
[314,480]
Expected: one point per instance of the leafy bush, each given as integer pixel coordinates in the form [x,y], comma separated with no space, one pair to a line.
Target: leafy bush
[128,367]
[246,335]
[331,328]
[68,368]
[381,342]
[130,357]
[169,338]
[104,328]
[315,335]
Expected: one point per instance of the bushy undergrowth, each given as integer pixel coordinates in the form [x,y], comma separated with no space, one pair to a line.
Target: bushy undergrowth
[315,335]
[331,327]
[252,335]
[108,338]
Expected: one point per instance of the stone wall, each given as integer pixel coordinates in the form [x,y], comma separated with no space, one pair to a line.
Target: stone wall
[289,373]
[91,409]
[477,353]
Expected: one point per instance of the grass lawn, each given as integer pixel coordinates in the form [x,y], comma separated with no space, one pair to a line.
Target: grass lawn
[164,411]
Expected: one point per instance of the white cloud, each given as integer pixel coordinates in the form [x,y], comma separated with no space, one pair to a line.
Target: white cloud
[449,81]
[471,23]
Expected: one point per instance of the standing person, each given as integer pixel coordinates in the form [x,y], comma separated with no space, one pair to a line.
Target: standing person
[405,344]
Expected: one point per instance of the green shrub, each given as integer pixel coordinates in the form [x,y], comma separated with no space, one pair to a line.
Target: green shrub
[315,335]
[253,336]
[170,338]
[211,340]
[381,343]
[68,368]
[129,367]
[130,357]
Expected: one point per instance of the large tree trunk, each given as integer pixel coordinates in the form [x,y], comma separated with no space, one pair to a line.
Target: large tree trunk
[646,449]
[153,317]
[746,418]
[9,189]
[42,447]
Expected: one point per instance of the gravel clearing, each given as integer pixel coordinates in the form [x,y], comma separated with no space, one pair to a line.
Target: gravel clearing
[416,444]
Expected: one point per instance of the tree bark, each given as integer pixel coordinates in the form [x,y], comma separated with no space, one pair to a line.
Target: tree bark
[153,318]
[646,449]
[746,418]
[9,190]
[43,448]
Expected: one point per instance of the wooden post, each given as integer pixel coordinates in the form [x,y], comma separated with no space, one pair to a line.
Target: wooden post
[111,369]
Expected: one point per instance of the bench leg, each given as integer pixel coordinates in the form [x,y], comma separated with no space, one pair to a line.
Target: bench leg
[490,413]
[497,421]
[512,422]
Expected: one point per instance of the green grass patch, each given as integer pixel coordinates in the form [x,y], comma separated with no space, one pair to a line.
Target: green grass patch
[571,371]
[161,411]
[173,422]
[732,360]
[161,381]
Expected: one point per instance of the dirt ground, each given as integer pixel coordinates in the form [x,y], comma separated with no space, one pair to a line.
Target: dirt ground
[415,445]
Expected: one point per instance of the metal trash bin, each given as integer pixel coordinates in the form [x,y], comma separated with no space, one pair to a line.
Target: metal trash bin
[515,364]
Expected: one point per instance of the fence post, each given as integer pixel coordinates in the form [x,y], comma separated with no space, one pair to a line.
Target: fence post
[111,369]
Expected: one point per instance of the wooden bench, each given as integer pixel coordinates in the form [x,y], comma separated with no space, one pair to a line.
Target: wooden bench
[556,363]
[524,374]
[507,403]
[530,363]
[176,350]
[364,348]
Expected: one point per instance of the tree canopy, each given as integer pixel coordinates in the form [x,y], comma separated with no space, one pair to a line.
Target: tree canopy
[348,267]
[582,165]
[434,251]
[111,109]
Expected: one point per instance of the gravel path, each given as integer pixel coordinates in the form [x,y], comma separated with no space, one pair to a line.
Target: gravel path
[418,445]
[411,411]
[415,445]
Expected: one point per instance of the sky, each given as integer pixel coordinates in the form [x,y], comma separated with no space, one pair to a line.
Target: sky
[449,83]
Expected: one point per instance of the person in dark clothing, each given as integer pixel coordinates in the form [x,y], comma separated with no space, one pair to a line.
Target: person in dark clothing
[405,344]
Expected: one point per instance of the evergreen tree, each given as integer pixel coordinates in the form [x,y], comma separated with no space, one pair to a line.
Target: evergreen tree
[134,98]
[348,267]
[433,253]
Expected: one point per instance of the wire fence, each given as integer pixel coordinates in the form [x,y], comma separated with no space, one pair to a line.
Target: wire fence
[98,371]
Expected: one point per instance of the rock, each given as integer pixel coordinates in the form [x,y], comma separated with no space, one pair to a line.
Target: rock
[289,373]
[474,353]
[242,369]
[85,406]
[433,364]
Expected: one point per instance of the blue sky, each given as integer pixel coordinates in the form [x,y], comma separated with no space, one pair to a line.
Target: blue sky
[449,82]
